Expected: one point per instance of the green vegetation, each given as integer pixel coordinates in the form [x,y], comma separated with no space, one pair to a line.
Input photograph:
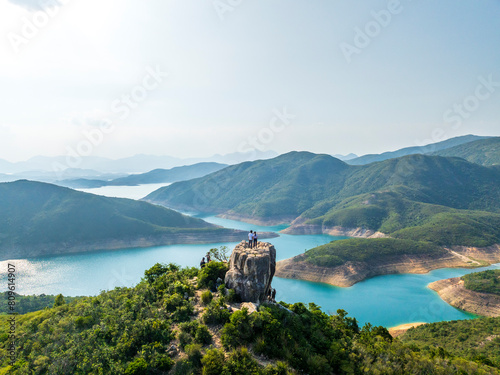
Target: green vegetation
[40,219]
[154,328]
[485,152]
[26,304]
[336,253]
[484,282]
[446,201]
[477,340]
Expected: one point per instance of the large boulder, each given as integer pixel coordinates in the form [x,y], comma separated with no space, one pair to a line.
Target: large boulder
[251,271]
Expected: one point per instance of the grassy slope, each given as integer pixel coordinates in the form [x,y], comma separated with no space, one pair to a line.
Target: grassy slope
[131,331]
[33,213]
[485,152]
[484,282]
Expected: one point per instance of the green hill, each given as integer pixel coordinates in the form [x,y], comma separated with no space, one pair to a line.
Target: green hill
[483,282]
[447,201]
[366,250]
[427,149]
[39,219]
[168,324]
[277,189]
[485,152]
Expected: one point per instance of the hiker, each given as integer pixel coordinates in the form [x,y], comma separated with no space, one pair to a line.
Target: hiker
[250,239]
[274,295]
[202,263]
[254,239]
[208,257]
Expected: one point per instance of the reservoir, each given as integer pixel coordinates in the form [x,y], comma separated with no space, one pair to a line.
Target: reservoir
[384,300]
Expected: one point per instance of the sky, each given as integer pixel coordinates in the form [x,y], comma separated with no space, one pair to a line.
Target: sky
[192,78]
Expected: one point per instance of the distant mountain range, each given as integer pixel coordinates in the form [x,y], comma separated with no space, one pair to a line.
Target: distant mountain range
[153,177]
[484,152]
[135,164]
[427,149]
[42,219]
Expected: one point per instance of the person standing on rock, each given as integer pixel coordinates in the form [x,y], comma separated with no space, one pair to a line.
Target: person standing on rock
[250,239]
[254,239]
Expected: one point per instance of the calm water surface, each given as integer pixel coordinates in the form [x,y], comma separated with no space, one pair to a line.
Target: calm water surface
[385,300]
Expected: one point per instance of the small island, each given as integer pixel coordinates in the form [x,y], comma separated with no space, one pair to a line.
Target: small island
[477,293]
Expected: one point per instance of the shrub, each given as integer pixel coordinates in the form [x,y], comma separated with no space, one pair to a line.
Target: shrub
[185,339]
[179,308]
[216,313]
[208,275]
[213,362]
[158,270]
[202,335]
[206,297]
[137,367]
[238,331]
[241,362]
[232,296]
[222,289]
[194,354]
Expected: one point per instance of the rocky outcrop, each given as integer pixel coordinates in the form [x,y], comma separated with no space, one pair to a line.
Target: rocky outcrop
[251,271]
[454,292]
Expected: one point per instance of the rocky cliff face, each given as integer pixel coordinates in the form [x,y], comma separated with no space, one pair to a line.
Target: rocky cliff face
[454,292]
[251,271]
[350,273]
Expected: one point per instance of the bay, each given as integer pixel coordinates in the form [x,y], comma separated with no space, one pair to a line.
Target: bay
[384,300]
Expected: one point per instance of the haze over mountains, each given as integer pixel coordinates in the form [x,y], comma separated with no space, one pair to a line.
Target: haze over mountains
[133,164]
[155,176]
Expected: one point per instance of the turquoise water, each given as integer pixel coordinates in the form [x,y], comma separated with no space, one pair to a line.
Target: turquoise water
[385,300]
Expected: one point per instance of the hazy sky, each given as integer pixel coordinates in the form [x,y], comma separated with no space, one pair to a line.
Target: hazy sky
[198,77]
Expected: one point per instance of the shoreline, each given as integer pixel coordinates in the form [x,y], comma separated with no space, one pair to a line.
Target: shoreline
[350,273]
[454,293]
[57,249]
[402,328]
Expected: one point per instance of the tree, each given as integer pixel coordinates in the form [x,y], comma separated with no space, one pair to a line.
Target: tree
[221,254]
[59,301]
